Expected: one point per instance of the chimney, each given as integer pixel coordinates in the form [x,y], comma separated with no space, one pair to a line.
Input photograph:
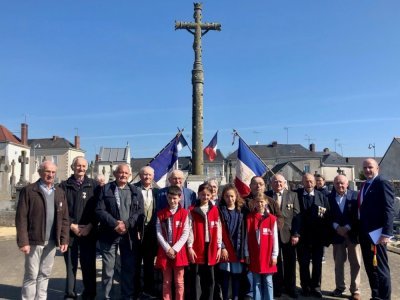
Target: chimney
[77,142]
[24,134]
[97,157]
[312,147]
[274,143]
[54,137]
[326,150]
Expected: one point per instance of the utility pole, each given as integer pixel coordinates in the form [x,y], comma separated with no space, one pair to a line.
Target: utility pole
[197,29]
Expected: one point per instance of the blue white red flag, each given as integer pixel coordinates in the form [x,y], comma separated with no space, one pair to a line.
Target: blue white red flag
[211,149]
[165,160]
[248,165]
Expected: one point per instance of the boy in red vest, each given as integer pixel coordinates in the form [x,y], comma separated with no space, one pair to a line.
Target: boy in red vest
[172,233]
[261,248]
[204,243]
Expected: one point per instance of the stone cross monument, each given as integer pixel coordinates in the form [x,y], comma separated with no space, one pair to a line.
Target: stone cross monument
[198,29]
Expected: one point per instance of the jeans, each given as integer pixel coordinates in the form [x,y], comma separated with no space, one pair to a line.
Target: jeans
[263,288]
[38,265]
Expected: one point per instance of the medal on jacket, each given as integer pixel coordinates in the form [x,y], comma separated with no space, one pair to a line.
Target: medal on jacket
[84,195]
[321,211]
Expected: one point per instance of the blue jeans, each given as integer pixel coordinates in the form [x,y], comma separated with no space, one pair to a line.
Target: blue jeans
[262,287]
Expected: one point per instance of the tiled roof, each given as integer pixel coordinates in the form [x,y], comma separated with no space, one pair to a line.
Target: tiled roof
[114,154]
[7,136]
[50,143]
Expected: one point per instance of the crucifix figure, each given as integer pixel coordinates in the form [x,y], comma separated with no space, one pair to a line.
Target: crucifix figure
[198,29]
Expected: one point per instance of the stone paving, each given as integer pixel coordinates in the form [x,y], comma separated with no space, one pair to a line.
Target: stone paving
[11,272]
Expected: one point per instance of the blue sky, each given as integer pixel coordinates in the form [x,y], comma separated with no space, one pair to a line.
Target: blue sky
[119,72]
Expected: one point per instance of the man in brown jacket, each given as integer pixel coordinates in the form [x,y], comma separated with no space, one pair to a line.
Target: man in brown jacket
[42,224]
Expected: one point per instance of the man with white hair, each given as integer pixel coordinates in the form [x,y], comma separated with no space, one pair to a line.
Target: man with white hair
[288,203]
[188,196]
[42,224]
[120,213]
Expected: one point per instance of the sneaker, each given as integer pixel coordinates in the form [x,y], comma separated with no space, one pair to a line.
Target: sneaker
[337,293]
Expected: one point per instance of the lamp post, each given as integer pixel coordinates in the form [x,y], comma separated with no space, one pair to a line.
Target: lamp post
[372,146]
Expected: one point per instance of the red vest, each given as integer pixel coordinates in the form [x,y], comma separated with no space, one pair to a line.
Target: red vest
[260,254]
[178,223]
[198,227]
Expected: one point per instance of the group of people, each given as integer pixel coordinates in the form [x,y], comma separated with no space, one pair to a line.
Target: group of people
[205,246]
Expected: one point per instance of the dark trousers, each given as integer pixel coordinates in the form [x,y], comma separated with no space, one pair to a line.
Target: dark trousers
[148,251]
[205,274]
[286,275]
[306,252]
[85,250]
[379,276]
[128,255]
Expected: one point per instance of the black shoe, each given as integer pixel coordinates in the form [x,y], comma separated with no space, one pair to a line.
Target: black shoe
[317,293]
[277,294]
[337,293]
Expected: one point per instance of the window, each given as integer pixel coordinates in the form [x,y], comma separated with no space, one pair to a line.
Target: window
[306,168]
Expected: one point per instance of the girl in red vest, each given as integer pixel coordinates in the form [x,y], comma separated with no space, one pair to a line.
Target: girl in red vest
[261,248]
[172,233]
[233,232]
[204,243]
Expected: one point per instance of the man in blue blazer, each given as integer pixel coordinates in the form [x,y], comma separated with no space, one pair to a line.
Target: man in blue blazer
[344,216]
[188,197]
[376,212]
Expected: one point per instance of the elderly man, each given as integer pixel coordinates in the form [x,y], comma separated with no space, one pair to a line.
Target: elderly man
[42,224]
[288,203]
[344,215]
[120,213]
[213,183]
[315,232]
[188,196]
[376,201]
[80,192]
[149,244]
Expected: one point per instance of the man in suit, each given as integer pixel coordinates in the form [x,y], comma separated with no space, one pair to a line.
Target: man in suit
[120,213]
[376,212]
[344,216]
[315,230]
[188,196]
[148,235]
[288,236]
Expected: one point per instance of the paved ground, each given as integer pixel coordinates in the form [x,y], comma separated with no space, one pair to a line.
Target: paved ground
[11,272]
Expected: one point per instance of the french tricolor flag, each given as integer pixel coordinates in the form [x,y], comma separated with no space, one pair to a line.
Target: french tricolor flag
[211,149]
[248,165]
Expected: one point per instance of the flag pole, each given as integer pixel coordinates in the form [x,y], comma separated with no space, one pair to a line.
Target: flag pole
[235,133]
[176,136]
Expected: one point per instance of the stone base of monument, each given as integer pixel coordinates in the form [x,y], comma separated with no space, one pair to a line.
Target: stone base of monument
[7,213]
[193,181]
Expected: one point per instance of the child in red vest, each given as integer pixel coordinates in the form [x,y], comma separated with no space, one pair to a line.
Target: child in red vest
[172,233]
[261,248]
[204,243]
[233,233]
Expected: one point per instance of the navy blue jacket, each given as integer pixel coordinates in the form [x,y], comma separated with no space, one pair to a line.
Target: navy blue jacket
[348,217]
[376,210]
[107,212]
[189,197]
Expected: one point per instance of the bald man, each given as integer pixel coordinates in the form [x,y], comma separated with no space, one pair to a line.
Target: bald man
[376,213]
[344,216]
[315,232]
[288,203]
